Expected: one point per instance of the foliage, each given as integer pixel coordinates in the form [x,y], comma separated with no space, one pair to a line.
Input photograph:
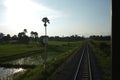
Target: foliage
[63,51]
[67,38]
[97,37]
[12,51]
[102,51]
[22,38]
[45,20]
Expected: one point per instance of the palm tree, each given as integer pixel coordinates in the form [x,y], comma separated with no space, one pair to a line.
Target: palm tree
[45,20]
[35,34]
[25,31]
[32,34]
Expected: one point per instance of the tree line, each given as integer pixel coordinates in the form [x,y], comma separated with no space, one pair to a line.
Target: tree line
[100,37]
[21,37]
[67,38]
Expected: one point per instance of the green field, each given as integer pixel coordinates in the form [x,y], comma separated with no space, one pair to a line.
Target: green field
[13,49]
[57,52]
[102,51]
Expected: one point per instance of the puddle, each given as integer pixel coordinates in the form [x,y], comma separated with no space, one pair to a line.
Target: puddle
[31,60]
[9,73]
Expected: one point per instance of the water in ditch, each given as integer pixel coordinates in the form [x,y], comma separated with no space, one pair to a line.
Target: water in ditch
[31,60]
[9,73]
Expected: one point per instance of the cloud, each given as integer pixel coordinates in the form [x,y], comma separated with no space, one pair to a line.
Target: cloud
[27,12]
[20,14]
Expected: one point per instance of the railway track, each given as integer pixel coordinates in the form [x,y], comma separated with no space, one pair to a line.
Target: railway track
[83,71]
[81,66]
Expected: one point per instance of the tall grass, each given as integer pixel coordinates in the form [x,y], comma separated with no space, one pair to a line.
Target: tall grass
[104,58]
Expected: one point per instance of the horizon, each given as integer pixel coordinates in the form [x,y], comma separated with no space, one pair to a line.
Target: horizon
[61,35]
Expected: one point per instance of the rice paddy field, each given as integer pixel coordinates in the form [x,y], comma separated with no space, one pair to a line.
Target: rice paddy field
[33,54]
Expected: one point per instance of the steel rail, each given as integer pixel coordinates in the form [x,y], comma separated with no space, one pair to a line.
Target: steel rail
[79,65]
[89,64]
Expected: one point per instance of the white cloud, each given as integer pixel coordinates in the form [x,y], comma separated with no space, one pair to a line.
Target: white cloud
[26,13]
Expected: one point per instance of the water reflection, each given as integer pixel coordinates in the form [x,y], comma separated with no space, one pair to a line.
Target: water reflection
[32,60]
[9,73]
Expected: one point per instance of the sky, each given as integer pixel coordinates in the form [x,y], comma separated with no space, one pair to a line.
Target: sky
[67,17]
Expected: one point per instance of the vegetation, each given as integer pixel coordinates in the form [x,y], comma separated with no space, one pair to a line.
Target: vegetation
[100,37]
[22,38]
[67,38]
[45,20]
[62,50]
[102,51]
[13,51]
[59,49]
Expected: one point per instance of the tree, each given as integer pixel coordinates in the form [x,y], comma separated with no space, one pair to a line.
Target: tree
[25,31]
[1,35]
[14,37]
[45,20]
[32,34]
[7,38]
[21,34]
[35,34]
[23,38]
[97,37]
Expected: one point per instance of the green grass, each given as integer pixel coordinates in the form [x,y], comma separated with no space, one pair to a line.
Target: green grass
[57,43]
[104,58]
[12,49]
[60,52]
[57,52]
